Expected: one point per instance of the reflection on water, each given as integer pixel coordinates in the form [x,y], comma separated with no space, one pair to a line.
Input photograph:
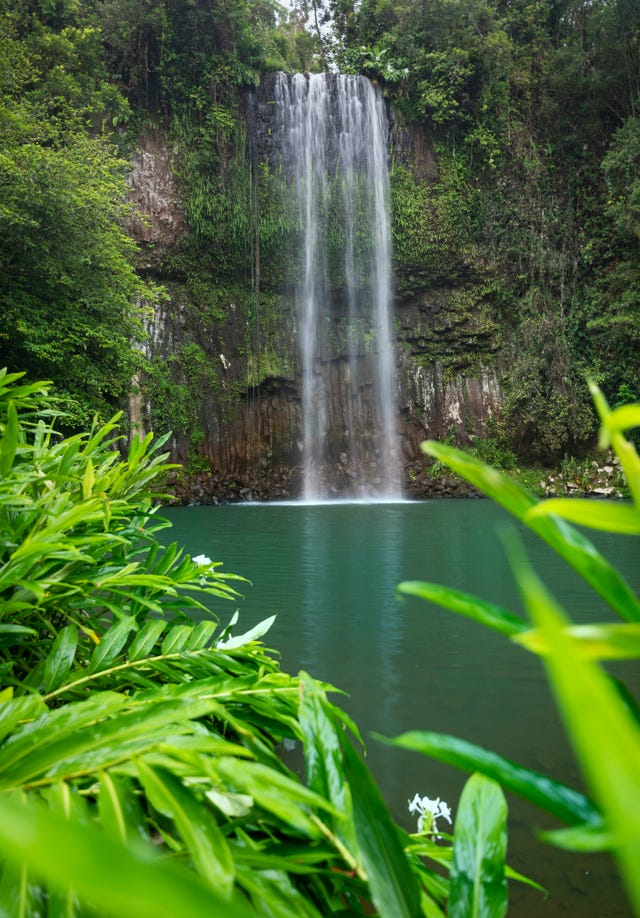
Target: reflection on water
[330,573]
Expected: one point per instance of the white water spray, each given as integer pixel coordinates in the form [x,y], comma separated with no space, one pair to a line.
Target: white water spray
[333,131]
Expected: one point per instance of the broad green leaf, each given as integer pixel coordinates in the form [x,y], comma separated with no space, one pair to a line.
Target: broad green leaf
[145,639]
[176,639]
[274,894]
[16,629]
[111,644]
[202,634]
[232,805]
[289,801]
[61,656]
[252,635]
[19,896]
[323,756]
[593,642]
[116,880]
[596,514]
[485,613]
[621,419]
[62,798]
[478,887]
[610,435]
[59,743]
[568,542]
[13,711]
[88,480]
[393,886]
[591,837]
[120,813]
[195,823]
[9,441]
[605,735]
[561,801]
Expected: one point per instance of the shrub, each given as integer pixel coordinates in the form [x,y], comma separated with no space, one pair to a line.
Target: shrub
[140,766]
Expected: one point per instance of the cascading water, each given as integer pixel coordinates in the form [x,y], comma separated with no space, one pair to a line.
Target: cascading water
[333,133]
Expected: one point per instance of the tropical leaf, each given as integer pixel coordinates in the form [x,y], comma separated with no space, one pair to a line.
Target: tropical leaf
[111,644]
[119,807]
[146,639]
[195,823]
[58,664]
[596,514]
[324,760]
[67,854]
[607,641]
[486,613]
[233,641]
[604,733]
[561,801]
[478,887]
[393,886]
[568,542]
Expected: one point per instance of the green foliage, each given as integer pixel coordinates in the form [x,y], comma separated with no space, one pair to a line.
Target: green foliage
[177,386]
[69,292]
[431,225]
[546,413]
[138,743]
[600,717]
[536,104]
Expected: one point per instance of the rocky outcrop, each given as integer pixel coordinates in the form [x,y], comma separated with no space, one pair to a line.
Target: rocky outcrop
[159,220]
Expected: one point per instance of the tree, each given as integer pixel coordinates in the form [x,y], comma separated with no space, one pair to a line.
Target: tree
[69,294]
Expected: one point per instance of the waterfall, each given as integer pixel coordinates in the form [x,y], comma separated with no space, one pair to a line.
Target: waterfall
[333,132]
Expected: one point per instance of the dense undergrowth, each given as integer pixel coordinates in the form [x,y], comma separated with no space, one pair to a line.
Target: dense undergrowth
[140,740]
[140,766]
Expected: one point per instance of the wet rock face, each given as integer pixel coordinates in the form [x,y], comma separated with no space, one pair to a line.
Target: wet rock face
[249,414]
[154,193]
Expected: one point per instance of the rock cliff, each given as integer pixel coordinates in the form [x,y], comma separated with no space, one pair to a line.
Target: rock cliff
[225,373]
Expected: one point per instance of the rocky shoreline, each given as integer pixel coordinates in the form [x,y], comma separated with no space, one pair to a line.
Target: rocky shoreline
[584,478]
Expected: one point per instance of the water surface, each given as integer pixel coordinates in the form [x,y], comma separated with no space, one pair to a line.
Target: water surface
[330,573]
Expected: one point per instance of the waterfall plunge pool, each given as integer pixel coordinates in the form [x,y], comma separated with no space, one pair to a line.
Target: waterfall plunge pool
[329,572]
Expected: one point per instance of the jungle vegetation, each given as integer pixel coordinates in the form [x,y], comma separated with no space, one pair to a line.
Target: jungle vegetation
[531,107]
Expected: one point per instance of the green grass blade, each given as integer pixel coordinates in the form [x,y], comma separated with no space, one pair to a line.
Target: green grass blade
[478,885]
[568,542]
[561,801]
[393,886]
[486,613]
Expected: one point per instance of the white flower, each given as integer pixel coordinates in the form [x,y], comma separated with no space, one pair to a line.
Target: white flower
[445,811]
[429,810]
[202,561]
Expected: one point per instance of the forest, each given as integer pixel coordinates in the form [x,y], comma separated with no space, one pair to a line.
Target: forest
[530,107]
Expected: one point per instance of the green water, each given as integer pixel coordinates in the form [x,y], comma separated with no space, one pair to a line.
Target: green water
[330,572]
